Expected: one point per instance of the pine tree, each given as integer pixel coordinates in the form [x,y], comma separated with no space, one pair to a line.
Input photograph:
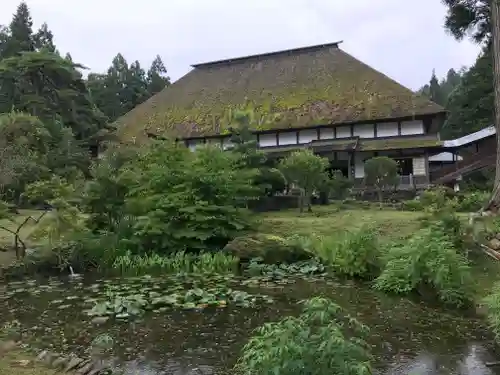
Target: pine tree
[157,78]
[21,36]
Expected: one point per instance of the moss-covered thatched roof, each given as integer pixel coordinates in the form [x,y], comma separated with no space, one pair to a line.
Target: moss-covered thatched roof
[303,87]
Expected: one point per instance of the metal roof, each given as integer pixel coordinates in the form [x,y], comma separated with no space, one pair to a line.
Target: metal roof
[470,138]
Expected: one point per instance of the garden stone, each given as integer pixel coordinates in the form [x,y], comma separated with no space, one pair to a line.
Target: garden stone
[85,369]
[73,363]
[494,244]
[59,362]
[272,249]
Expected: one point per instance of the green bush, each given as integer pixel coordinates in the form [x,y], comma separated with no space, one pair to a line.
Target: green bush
[270,248]
[472,201]
[354,254]
[492,303]
[428,260]
[322,340]
[189,200]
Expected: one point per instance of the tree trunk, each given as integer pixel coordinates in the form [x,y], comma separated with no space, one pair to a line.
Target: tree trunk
[494,203]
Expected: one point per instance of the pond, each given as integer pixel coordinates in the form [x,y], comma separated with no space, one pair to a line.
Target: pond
[406,336]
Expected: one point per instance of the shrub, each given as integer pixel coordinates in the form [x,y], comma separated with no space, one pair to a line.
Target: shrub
[428,259]
[189,200]
[271,249]
[354,254]
[322,340]
[473,201]
[492,302]
[381,172]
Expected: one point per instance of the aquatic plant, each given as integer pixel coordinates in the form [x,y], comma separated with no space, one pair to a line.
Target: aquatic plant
[132,300]
[284,270]
[314,343]
[426,263]
[119,306]
[354,254]
[181,262]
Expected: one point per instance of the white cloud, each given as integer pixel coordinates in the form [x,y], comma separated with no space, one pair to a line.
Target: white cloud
[403,40]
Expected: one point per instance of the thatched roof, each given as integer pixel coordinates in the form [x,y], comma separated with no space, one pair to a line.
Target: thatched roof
[304,87]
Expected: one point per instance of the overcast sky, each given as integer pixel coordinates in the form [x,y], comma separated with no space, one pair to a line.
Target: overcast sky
[404,40]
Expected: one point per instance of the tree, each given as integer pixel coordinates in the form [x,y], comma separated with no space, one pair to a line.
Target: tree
[20,36]
[48,86]
[269,180]
[435,93]
[157,78]
[494,203]
[306,170]
[481,20]
[471,103]
[188,200]
[381,172]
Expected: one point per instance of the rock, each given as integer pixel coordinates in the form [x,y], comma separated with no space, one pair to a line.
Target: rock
[8,346]
[85,369]
[494,243]
[59,363]
[49,357]
[73,363]
[272,249]
[100,320]
[497,236]
[42,355]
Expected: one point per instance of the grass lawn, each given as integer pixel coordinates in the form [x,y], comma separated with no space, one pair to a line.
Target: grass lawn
[326,220]
[7,239]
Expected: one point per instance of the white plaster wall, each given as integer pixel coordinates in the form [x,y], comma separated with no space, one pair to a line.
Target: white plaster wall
[412,127]
[289,138]
[192,144]
[343,132]
[364,131]
[419,166]
[267,140]
[306,136]
[359,166]
[387,129]
[326,133]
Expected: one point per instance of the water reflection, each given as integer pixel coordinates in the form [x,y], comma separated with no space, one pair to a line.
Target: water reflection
[407,337]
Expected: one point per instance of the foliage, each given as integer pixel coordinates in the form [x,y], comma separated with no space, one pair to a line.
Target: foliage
[471,103]
[469,18]
[354,254]
[211,263]
[339,185]
[271,181]
[188,200]
[270,249]
[245,145]
[322,340]
[492,302]
[428,259]
[105,194]
[65,220]
[131,301]
[381,172]
[273,272]
[307,171]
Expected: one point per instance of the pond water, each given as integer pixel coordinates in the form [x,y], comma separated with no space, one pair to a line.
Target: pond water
[406,337]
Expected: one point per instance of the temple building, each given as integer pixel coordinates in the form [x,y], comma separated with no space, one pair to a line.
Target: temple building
[318,97]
